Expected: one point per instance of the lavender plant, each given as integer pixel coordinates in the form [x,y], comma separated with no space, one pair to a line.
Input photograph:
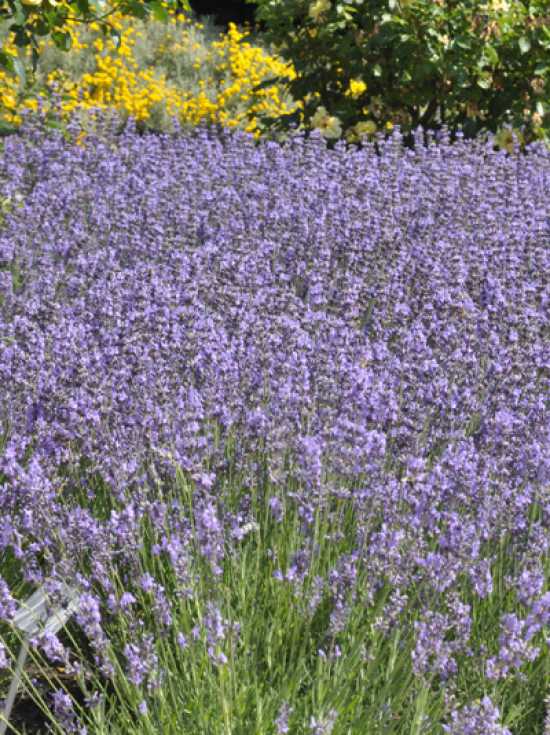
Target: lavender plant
[281,414]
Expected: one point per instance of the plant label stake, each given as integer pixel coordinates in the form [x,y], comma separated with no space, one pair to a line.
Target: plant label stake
[31,618]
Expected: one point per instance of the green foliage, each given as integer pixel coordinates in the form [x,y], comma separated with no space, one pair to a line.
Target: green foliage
[478,66]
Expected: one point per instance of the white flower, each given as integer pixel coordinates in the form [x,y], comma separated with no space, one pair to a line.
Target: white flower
[329,125]
[501,6]
[318,8]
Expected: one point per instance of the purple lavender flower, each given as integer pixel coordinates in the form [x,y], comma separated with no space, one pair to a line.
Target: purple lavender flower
[276,508]
[281,723]
[64,712]
[142,663]
[4,660]
[8,606]
[378,343]
[515,648]
[476,719]
[530,584]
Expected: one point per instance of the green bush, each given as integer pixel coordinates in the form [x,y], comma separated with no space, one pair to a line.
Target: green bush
[365,64]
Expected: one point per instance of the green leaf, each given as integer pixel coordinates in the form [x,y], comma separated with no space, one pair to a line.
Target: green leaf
[54,18]
[62,40]
[377,70]
[6,129]
[116,36]
[464,42]
[331,27]
[491,54]
[524,44]
[19,15]
[41,28]
[159,12]
[109,30]
[83,6]
[266,83]
[6,61]
[135,8]
[19,69]
[484,82]
[21,36]
[346,11]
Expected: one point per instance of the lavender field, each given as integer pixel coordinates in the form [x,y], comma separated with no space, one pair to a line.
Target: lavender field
[281,415]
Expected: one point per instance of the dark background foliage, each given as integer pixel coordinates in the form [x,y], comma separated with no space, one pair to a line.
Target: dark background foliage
[236,11]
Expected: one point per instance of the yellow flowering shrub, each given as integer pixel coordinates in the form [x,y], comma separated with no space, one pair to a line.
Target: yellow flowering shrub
[232,102]
[158,71]
[8,89]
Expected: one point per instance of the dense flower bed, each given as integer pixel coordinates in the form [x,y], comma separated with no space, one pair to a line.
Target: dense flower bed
[153,72]
[364,331]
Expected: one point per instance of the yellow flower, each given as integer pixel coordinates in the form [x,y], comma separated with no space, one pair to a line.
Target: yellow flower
[7,99]
[318,9]
[329,125]
[118,80]
[31,104]
[36,3]
[356,88]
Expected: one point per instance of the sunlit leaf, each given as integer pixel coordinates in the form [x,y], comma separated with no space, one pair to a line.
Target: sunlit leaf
[62,40]
[524,44]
